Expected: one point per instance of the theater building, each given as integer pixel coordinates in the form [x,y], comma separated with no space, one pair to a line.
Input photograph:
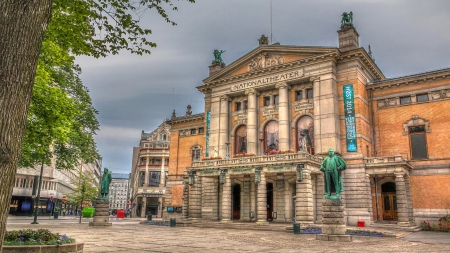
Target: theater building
[272,115]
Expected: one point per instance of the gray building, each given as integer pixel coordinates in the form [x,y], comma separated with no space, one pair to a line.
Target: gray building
[119,192]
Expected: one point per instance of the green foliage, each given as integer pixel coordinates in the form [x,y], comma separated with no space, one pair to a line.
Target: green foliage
[442,226]
[85,190]
[35,237]
[101,27]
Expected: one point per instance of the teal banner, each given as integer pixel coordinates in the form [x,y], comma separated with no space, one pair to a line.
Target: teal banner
[350,122]
[208,120]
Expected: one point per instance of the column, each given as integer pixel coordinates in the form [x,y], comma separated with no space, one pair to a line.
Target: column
[163,174]
[252,121]
[226,199]
[319,197]
[402,203]
[146,174]
[223,121]
[252,200]
[144,207]
[304,209]
[195,199]
[185,210]
[369,197]
[261,200]
[409,201]
[288,201]
[283,115]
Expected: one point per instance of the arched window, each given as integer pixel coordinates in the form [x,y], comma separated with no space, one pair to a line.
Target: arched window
[271,136]
[241,140]
[305,135]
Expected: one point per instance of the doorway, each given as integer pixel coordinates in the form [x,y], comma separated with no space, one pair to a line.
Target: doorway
[389,201]
[269,187]
[237,202]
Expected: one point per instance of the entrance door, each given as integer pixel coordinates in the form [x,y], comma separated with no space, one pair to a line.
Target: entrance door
[237,202]
[389,201]
[269,187]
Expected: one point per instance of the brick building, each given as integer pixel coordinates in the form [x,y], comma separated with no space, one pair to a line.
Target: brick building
[272,115]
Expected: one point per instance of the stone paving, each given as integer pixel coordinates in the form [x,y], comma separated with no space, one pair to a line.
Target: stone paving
[129,236]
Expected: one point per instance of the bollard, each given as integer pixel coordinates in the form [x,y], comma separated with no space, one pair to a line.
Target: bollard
[297,228]
[55,215]
[173,222]
[149,217]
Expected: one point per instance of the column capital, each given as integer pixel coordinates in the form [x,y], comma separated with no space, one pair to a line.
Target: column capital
[314,78]
[399,174]
[225,98]
[251,91]
[282,85]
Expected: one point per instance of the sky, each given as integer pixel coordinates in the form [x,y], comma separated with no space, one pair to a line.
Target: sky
[134,93]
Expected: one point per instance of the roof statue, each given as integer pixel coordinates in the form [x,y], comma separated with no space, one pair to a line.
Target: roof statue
[174,115]
[347,19]
[218,56]
[263,40]
[189,111]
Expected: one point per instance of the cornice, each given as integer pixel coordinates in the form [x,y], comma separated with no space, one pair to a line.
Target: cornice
[185,119]
[366,59]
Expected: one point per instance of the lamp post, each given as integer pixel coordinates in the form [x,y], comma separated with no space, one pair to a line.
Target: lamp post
[227,156]
[262,146]
[38,198]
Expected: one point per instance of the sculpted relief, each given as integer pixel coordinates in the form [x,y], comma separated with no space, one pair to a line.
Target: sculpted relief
[265,60]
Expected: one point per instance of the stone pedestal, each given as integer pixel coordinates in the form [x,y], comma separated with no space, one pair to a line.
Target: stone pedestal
[333,227]
[101,216]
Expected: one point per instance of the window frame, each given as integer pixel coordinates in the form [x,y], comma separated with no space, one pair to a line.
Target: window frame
[201,130]
[238,106]
[308,93]
[424,133]
[405,98]
[266,101]
[422,95]
[297,94]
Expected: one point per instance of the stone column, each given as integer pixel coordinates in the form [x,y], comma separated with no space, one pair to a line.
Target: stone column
[163,174]
[283,114]
[304,209]
[288,202]
[185,210]
[144,207]
[252,200]
[226,199]
[409,201]
[402,200]
[223,121]
[195,199]
[146,173]
[319,197]
[261,201]
[252,121]
[369,197]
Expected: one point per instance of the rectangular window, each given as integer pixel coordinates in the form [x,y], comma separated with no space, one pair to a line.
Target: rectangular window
[276,99]
[155,178]
[309,93]
[405,100]
[201,130]
[266,101]
[422,97]
[245,105]
[238,106]
[196,155]
[418,142]
[193,131]
[298,95]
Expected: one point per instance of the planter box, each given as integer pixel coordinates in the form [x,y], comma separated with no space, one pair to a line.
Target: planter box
[88,212]
[65,248]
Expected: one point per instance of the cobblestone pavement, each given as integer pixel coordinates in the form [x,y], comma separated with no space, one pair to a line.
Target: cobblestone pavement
[133,237]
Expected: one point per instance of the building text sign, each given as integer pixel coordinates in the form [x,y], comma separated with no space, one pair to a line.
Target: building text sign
[350,122]
[265,80]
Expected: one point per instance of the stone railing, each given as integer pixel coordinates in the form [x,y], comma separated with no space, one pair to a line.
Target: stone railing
[385,159]
[258,159]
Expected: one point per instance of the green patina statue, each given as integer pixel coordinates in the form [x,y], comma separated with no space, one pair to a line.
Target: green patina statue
[332,166]
[106,181]
[218,56]
[347,19]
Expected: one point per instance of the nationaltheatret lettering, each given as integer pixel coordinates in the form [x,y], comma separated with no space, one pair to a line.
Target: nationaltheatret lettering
[266,80]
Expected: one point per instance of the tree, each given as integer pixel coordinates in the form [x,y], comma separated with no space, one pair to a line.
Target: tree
[89,27]
[85,190]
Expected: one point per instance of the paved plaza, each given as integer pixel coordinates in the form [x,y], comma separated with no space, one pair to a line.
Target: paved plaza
[130,236]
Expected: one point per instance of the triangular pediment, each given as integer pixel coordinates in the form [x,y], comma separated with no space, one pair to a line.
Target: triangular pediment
[265,57]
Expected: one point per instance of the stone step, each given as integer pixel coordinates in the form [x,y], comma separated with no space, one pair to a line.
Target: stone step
[395,227]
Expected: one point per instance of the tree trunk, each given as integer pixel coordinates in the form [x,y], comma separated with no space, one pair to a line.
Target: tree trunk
[22,28]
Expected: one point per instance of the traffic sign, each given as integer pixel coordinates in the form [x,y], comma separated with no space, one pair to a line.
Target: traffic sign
[128,203]
[64,198]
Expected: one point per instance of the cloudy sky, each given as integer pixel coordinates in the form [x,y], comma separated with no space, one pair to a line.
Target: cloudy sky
[135,93]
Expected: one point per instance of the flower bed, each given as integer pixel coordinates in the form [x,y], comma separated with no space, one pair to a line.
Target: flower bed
[356,232]
[157,223]
[244,154]
[212,158]
[274,152]
[442,226]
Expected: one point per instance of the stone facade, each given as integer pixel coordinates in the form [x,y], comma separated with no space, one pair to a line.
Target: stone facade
[271,116]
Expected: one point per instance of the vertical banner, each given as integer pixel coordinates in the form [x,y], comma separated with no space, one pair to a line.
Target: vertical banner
[208,119]
[349,109]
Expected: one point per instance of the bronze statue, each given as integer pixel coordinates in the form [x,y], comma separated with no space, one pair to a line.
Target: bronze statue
[332,166]
[106,181]
[218,56]
[347,19]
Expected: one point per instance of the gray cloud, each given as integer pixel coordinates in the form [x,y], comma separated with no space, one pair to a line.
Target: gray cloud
[135,92]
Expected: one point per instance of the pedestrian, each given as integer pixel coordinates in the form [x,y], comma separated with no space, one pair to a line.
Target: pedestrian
[64,212]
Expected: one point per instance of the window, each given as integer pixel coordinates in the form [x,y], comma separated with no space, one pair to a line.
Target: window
[195,155]
[405,100]
[305,135]
[298,95]
[164,137]
[276,99]
[422,97]
[201,130]
[193,131]
[241,140]
[146,145]
[271,136]
[238,106]
[266,101]
[245,105]
[309,93]
[141,178]
[418,142]
[155,177]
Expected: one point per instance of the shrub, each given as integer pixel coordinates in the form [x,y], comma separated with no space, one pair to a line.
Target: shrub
[35,237]
[442,226]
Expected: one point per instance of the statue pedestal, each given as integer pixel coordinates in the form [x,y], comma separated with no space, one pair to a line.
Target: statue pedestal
[101,215]
[333,222]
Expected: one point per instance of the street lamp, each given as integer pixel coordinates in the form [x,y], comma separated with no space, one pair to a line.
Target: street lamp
[38,198]
[227,156]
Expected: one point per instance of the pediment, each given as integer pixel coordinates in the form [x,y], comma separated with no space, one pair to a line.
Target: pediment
[265,57]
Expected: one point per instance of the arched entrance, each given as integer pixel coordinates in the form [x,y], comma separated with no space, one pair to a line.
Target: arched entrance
[269,187]
[237,202]
[389,201]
